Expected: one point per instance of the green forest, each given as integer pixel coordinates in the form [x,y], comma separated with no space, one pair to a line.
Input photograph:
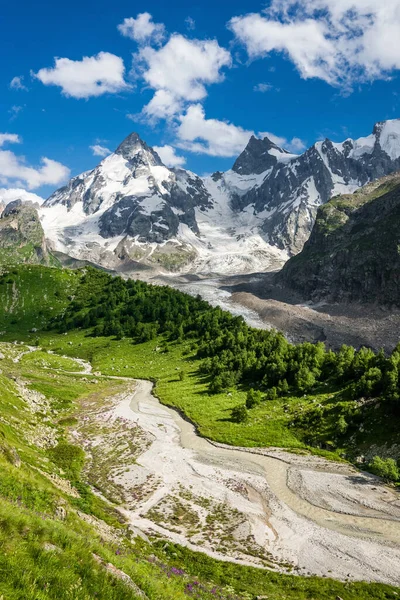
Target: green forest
[232,355]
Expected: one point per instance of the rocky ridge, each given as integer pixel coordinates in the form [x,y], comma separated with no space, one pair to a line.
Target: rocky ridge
[353,254]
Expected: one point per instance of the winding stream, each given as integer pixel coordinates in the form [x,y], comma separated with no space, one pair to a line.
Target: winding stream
[359,538]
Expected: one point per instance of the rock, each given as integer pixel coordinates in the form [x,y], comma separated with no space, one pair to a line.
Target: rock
[353,253]
[15,458]
[51,547]
[61,512]
[118,574]
[20,228]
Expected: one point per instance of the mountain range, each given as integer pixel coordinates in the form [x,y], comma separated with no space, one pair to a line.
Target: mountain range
[131,212]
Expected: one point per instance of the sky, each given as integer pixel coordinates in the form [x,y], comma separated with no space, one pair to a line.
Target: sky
[195,80]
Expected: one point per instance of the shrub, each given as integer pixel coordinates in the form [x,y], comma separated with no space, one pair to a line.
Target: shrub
[239,414]
[272,394]
[385,467]
[253,398]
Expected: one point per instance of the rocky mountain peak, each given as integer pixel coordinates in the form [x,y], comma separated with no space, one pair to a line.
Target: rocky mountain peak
[14,207]
[257,156]
[134,147]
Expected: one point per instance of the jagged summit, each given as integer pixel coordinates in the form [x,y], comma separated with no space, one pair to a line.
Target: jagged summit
[258,156]
[134,145]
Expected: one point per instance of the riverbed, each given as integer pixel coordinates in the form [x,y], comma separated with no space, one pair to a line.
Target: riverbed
[261,507]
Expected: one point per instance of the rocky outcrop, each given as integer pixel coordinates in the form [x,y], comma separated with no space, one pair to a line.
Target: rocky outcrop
[353,254]
[21,234]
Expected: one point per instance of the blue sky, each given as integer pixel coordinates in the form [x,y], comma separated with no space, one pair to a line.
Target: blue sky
[299,71]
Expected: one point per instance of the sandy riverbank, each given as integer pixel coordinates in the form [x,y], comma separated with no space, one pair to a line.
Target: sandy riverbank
[269,508]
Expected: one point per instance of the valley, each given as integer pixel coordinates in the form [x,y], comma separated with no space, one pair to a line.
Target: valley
[149,466]
[200,300]
[219,402]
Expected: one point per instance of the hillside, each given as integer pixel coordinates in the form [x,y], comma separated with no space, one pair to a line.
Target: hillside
[68,381]
[353,251]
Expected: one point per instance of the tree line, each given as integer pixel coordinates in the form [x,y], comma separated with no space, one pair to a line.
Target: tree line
[231,352]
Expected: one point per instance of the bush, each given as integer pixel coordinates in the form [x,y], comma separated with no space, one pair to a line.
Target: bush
[253,398]
[239,414]
[385,467]
[341,425]
[272,394]
[69,458]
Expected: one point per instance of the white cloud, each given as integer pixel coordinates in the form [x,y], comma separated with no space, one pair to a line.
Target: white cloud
[163,105]
[169,157]
[14,112]
[17,83]
[294,145]
[13,169]
[181,69]
[190,23]
[340,42]
[9,194]
[276,139]
[11,138]
[142,29]
[91,76]
[100,150]
[262,87]
[210,136]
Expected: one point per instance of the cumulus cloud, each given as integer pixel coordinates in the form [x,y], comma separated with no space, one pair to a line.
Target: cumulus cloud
[294,145]
[210,136]
[169,157]
[17,83]
[339,42]
[142,29]
[181,69]
[91,76]
[14,112]
[100,150]
[11,138]
[190,23]
[262,87]
[9,194]
[13,169]
[163,105]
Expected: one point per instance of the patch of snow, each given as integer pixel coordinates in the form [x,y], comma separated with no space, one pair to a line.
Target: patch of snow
[390,138]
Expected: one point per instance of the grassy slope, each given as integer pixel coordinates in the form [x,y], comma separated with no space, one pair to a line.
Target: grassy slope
[27,521]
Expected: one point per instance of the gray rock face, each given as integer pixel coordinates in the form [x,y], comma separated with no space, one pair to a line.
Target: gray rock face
[352,254]
[256,157]
[14,207]
[21,234]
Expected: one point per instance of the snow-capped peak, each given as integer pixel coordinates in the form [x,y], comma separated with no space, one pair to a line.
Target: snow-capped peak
[258,156]
[131,202]
[133,145]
